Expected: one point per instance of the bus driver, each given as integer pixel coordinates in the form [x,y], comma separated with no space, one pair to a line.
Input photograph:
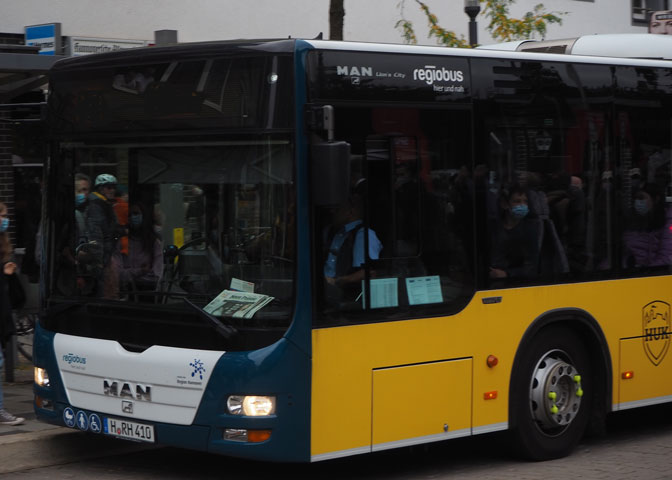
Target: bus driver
[345,239]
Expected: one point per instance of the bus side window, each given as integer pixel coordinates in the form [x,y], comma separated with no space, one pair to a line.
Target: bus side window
[415,182]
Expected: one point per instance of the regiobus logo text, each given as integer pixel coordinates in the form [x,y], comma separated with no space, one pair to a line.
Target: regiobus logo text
[432,75]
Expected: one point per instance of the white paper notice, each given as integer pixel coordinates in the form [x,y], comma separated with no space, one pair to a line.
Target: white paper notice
[383,292]
[241,285]
[424,290]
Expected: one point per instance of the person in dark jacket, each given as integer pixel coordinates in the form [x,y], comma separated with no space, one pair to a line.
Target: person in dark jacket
[515,249]
[104,231]
[6,321]
[82,192]
[142,265]
[648,240]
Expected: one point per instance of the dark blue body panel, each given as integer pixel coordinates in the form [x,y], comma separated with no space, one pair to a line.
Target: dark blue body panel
[280,370]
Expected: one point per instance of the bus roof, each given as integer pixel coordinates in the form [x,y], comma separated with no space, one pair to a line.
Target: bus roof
[630,45]
[179,50]
[612,49]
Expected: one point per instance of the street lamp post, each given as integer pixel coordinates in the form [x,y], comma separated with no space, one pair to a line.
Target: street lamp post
[472,8]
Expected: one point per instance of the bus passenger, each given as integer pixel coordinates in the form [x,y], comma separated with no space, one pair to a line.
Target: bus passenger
[648,240]
[567,209]
[82,191]
[346,242]
[142,265]
[69,259]
[121,210]
[104,231]
[515,240]
[8,268]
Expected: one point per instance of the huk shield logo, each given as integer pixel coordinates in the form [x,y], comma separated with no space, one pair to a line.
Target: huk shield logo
[656,329]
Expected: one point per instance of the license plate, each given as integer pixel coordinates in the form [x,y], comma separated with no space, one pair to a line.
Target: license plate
[129,430]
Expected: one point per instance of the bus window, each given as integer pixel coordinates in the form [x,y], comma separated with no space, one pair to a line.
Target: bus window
[401,245]
[546,133]
[643,126]
[218,225]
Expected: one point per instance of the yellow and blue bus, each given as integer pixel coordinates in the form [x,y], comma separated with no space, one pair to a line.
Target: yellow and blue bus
[298,250]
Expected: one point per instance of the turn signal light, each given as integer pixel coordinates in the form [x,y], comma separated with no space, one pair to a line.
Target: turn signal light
[492,361]
[627,375]
[490,395]
[43,403]
[257,436]
[244,435]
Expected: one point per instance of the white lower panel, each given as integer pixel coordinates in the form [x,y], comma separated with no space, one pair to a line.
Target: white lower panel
[642,403]
[340,454]
[495,427]
[420,440]
[162,384]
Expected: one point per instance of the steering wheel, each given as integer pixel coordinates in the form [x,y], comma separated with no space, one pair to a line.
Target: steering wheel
[171,267]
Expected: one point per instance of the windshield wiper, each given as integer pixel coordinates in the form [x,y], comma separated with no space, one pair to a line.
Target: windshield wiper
[59,308]
[227,331]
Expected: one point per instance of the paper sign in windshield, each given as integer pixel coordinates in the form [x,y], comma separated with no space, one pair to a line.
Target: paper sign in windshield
[423,290]
[383,293]
[241,285]
[237,304]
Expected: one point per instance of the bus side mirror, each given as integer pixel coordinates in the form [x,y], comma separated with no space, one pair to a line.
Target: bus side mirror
[330,173]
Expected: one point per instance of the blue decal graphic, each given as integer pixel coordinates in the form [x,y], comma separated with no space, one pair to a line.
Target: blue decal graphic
[94,423]
[199,369]
[69,417]
[82,421]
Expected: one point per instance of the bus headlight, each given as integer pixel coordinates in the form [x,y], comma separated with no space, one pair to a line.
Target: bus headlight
[41,377]
[251,405]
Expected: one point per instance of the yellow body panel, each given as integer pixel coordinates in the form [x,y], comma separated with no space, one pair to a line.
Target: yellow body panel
[649,381]
[421,402]
[344,406]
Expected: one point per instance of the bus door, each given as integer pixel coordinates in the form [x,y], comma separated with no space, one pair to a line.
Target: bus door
[407,232]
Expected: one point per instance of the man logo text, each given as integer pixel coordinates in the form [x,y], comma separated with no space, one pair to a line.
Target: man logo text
[121,389]
[354,71]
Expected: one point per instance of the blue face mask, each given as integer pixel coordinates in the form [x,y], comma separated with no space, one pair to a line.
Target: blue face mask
[80,198]
[641,206]
[4,225]
[520,211]
[136,219]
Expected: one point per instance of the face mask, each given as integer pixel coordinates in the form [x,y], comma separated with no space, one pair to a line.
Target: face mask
[641,206]
[520,211]
[136,219]
[80,198]
[4,225]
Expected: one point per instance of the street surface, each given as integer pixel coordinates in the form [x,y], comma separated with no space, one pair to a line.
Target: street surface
[637,446]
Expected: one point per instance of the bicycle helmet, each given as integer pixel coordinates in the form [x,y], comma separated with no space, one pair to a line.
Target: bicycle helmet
[105,179]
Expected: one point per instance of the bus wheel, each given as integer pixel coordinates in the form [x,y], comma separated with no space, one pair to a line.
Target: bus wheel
[551,395]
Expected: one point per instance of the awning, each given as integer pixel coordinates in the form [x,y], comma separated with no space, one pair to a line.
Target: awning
[22,70]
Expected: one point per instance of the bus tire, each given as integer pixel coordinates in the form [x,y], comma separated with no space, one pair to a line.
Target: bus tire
[551,394]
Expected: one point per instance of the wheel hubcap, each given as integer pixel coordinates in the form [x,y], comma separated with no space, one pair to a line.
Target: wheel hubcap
[555,393]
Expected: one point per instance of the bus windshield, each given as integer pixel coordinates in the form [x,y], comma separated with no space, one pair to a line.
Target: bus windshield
[171,184]
[153,224]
